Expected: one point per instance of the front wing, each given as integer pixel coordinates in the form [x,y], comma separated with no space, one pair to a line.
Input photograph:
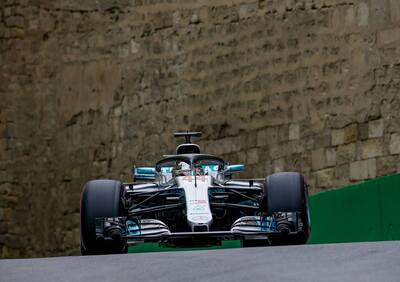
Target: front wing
[153,230]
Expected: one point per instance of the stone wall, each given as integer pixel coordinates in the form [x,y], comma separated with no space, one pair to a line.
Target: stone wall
[90,88]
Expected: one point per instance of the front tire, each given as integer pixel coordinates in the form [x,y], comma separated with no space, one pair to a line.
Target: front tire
[286,192]
[100,198]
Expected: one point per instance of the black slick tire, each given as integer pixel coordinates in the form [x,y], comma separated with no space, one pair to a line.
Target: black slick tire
[100,198]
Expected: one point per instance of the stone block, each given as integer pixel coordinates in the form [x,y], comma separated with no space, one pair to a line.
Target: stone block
[325,178]
[363,14]
[330,156]
[386,165]
[394,144]
[246,10]
[312,182]
[342,173]
[251,140]
[306,161]
[363,131]
[394,10]
[362,170]
[350,17]
[237,143]
[294,131]
[283,132]
[267,168]
[322,140]
[318,159]
[294,163]
[195,19]
[346,153]
[375,128]
[118,111]
[350,133]
[371,148]
[379,13]
[337,137]
[7,12]
[393,125]
[5,214]
[276,151]
[252,156]
[224,146]
[279,165]
[267,136]
[344,135]
[15,21]
[389,36]
[262,138]
[296,146]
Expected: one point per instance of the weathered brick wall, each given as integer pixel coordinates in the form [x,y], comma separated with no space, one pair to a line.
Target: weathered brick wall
[89,88]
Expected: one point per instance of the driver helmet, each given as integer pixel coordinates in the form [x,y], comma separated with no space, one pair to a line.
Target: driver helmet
[181,169]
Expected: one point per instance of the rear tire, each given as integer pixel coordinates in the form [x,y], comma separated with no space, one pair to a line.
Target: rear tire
[287,192]
[100,198]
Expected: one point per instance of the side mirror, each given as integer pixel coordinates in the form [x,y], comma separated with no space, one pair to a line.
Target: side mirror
[234,168]
[144,173]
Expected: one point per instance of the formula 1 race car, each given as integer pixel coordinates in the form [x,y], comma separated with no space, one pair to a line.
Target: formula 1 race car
[190,199]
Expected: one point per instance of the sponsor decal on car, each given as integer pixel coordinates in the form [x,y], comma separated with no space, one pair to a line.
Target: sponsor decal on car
[210,168]
[197,202]
[167,169]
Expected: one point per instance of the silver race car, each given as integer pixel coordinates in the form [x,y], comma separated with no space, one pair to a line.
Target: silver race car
[191,199]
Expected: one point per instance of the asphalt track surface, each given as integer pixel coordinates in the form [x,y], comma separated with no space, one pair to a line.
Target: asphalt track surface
[333,262]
